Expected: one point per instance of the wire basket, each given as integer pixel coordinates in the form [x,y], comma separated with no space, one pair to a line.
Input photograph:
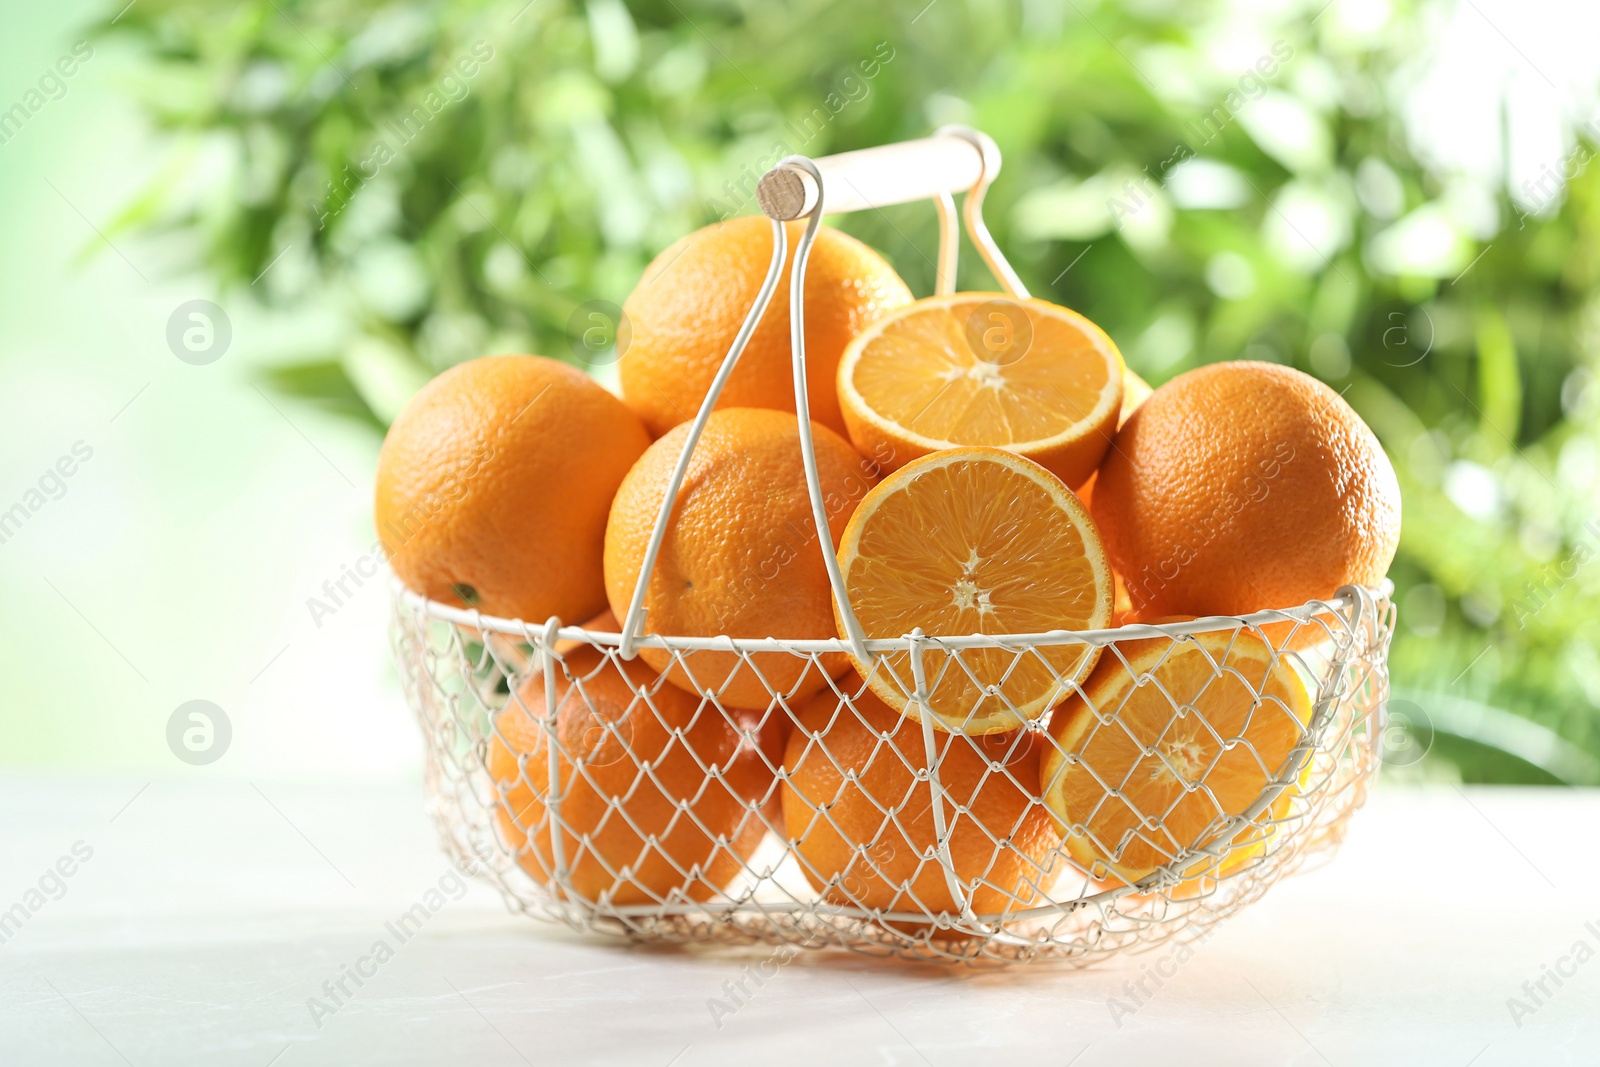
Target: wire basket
[592,791]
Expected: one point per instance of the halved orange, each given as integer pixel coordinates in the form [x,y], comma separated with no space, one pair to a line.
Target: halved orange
[983,369]
[975,541]
[1169,738]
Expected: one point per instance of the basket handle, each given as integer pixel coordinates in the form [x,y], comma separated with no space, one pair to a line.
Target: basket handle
[954,158]
[876,177]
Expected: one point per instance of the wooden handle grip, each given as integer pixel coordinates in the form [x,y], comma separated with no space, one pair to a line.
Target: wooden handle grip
[876,177]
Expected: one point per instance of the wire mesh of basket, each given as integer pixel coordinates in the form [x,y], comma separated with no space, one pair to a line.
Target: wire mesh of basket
[1222,753]
[701,870]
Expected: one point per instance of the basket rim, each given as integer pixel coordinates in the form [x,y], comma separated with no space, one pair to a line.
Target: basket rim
[1350,598]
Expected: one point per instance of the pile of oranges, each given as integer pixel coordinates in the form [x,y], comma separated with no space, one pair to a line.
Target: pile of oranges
[988,466]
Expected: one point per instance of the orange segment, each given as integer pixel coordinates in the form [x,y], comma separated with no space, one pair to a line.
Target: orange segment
[1174,737]
[976,541]
[983,369]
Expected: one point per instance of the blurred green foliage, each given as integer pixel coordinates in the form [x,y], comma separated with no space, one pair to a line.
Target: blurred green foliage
[432,181]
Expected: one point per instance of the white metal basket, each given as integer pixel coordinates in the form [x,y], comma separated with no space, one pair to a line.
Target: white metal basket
[738,877]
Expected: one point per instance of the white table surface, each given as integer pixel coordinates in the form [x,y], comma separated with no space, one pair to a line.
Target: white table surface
[211,910]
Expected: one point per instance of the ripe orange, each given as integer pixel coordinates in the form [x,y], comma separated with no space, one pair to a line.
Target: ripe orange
[494,484]
[659,794]
[741,556]
[983,369]
[1244,486]
[862,825]
[1168,738]
[975,541]
[695,295]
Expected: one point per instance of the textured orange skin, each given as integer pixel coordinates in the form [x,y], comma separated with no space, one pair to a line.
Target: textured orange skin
[695,295]
[498,476]
[831,739]
[1244,486]
[732,824]
[741,556]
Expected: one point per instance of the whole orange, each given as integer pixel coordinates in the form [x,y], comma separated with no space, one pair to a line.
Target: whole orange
[694,296]
[660,795]
[860,816]
[494,485]
[1244,486]
[741,556]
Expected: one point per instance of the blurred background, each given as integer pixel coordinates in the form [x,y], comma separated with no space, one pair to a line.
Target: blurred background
[241,234]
